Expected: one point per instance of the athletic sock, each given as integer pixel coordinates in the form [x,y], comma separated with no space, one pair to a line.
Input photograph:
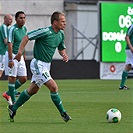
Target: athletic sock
[57,101]
[24,96]
[11,87]
[124,77]
[17,85]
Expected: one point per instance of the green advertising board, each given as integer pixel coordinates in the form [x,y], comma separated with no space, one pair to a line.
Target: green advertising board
[114,18]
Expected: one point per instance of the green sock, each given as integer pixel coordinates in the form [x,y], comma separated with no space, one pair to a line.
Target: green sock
[8,92]
[57,101]
[17,85]
[24,96]
[124,77]
[11,87]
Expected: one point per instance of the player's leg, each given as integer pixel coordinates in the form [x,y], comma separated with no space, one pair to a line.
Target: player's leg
[2,64]
[11,88]
[19,82]
[22,75]
[1,72]
[128,67]
[12,74]
[5,64]
[52,86]
[24,97]
[17,85]
[31,90]
[124,76]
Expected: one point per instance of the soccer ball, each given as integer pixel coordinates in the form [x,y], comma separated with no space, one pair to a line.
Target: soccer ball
[113,115]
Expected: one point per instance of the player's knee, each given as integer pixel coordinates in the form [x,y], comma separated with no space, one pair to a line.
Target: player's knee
[23,80]
[53,88]
[1,72]
[32,91]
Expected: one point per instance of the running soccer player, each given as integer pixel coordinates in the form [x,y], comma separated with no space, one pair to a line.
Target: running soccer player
[129,58]
[46,41]
[13,67]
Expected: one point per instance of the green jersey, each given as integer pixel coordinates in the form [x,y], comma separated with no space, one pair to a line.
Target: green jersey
[15,37]
[46,42]
[3,35]
[130,34]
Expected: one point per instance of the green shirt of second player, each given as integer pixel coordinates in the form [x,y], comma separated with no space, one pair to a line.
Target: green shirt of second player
[15,37]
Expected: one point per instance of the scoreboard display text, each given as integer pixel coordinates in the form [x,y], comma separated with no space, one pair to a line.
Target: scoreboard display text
[115,18]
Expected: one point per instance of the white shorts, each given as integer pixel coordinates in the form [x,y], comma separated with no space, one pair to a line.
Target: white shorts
[2,62]
[19,68]
[40,71]
[129,57]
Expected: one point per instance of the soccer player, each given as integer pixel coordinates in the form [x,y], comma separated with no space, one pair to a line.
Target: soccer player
[129,58]
[8,19]
[46,41]
[13,67]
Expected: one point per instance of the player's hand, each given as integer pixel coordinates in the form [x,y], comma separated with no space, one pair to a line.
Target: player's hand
[18,57]
[65,58]
[131,49]
[11,64]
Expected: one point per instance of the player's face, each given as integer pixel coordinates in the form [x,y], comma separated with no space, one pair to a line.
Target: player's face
[21,20]
[9,20]
[61,23]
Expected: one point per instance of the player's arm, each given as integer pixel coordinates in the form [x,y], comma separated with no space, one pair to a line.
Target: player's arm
[24,54]
[64,55]
[5,40]
[10,59]
[21,48]
[129,43]
[4,33]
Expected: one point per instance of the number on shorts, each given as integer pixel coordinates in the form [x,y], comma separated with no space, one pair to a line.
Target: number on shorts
[45,74]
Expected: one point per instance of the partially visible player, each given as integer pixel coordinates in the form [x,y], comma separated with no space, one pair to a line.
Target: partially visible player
[46,41]
[129,58]
[14,68]
[8,19]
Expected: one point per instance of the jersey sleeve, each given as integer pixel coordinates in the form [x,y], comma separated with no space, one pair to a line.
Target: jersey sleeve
[35,34]
[130,31]
[62,44]
[11,34]
[4,31]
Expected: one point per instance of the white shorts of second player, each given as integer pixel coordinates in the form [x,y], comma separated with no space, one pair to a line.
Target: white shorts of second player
[2,62]
[40,71]
[19,68]
[129,57]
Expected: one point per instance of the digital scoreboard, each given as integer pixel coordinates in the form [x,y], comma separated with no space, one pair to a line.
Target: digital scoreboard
[114,19]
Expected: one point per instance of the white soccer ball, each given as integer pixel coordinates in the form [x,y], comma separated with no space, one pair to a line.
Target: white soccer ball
[113,115]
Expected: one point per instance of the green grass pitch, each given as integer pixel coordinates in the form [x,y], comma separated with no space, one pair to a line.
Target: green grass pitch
[87,102]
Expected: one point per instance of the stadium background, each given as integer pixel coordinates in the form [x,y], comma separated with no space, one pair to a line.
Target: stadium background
[81,33]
